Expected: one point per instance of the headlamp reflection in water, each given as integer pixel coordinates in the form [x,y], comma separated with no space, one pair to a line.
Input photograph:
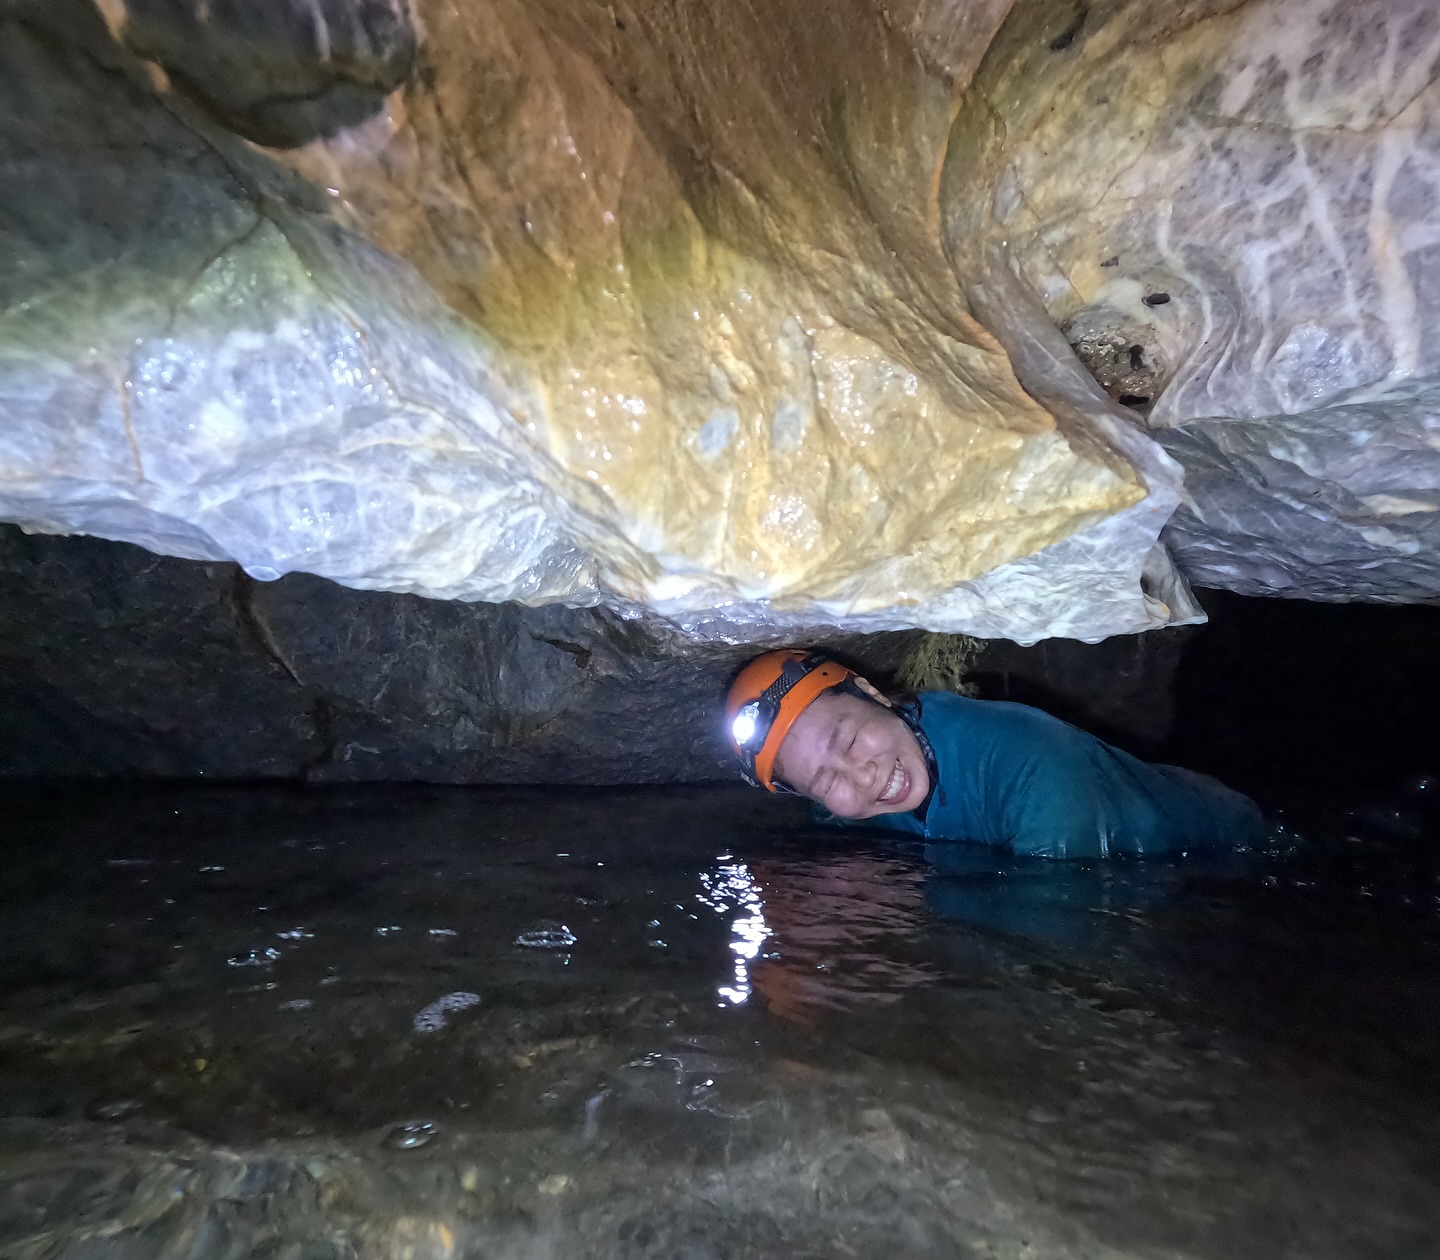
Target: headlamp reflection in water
[731,889]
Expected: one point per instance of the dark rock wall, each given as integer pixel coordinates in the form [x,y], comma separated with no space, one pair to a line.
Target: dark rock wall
[118,662]
[115,661]
[1122,689]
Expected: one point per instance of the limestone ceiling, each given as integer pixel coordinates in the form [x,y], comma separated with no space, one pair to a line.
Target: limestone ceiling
[754,317]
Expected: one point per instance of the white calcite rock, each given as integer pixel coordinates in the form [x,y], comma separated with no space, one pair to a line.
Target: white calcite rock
[1250,224]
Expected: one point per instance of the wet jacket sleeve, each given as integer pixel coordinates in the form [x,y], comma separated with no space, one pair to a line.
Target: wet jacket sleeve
[1053,807]
[1070,795]
[1020,779]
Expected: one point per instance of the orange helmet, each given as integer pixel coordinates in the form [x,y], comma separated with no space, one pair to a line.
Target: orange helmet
[766,698]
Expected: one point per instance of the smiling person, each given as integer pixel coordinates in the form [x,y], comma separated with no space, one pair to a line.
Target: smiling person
[946,767]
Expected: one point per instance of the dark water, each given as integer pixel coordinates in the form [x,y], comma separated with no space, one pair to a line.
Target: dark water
[399,1023]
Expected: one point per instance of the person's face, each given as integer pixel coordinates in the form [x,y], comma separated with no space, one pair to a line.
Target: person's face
[856,758]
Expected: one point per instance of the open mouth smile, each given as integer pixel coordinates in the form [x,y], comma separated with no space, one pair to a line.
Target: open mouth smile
[897,788]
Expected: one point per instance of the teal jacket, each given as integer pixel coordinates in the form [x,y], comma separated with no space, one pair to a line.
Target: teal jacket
[1011,776]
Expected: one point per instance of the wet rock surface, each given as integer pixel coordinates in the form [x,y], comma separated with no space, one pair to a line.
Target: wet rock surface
[281,73]
[761,1042]
[550,325]
[1337,503]
[114,661]
[751,324]
[1251,207]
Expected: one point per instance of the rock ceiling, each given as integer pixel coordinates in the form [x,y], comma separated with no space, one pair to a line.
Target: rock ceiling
[757,317]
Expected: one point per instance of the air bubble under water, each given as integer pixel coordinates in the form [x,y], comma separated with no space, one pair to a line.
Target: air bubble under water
[547,938]
[409,1134]
[432,1018]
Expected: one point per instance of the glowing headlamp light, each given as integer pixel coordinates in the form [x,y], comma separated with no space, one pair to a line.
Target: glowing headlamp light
[746,725]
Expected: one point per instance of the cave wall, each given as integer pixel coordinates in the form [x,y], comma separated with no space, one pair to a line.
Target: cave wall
[115,661]
[1229,210]
[606,339]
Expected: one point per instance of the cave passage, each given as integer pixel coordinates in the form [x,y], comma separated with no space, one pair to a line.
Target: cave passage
[302,1017]
[430,1021]
[412,415]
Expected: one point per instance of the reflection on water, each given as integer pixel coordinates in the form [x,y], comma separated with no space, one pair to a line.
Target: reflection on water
[679,1024]
[842,923]
[731,890]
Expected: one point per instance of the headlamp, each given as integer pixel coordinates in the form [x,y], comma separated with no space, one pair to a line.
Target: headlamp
[746,724]
[769,694]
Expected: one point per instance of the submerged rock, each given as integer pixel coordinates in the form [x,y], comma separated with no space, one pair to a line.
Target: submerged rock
[433,1017]
[411,1134]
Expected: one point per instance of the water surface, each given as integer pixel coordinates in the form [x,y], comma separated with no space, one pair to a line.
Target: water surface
[683,1024]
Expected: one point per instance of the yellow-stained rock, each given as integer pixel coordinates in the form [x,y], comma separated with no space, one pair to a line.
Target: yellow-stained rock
[711,313]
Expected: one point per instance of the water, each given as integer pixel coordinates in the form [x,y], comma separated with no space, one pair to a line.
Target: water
[419,1023]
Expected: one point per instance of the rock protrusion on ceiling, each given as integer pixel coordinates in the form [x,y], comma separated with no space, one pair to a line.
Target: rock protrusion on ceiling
[285,72]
